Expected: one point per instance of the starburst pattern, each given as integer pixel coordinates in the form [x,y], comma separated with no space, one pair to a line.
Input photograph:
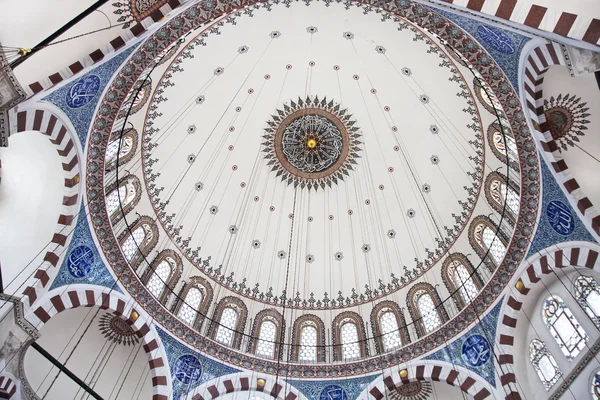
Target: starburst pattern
[333,151]
[117,330]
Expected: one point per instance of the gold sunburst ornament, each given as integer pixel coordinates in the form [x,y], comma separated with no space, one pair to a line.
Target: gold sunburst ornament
[312,143]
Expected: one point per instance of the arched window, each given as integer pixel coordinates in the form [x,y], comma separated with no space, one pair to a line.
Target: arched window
[503,145]
[486,96]
[162,274]
[564,327]
[487,240]
[460,278]
[498,193]
[139,240]
[134,99]
[349,337]
[543,363]
[587,294]
[308,339]
[595,385]
[389,327]
[266,334]
[426,308]
[229,321]
[128,144]
[120,200]
[193,301]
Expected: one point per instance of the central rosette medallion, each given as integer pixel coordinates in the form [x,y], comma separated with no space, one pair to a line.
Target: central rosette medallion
[312,143]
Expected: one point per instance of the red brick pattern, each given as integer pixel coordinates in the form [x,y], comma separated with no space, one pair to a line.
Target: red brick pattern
[118,305]
[561,258]
[7,388]
[242,382]
[536,65]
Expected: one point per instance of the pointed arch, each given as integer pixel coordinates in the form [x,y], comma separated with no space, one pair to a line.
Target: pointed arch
[120,149]
[264,337]
[308,339]
[426,308]
[155,279]
[139,240]
[348,337]
[459,277]
[499,192]
[488,241]
[195,297]
[389,333]
[501,147]
[121,198]
[228,322]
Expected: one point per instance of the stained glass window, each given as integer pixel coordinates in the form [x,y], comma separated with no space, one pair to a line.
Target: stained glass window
[488,240]
[500,144]
[390,334]
[226,326]
[543,363]
[350,345]
[564,327]
[187,311]
[587,294]
[308,344]
[596,385]
[113,148]
[158,279]
[266,343]
[139,238]
[463,281]
[430,317]
[501,192]
[121,198]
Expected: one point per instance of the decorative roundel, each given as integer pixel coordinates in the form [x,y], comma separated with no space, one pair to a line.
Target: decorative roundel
[311,143]
[373,91]
[238,109]
[311,64]
[83,91]
[187,369]
[80,261]
[336,67]
[567,119]
[476,350]
[355,77]
[386,108]
[117,330]
[256,198]
[367,201]
[560,217]
[415,390]
[267,76]
[250,91]
[333,392]
[394,128]
[288,67]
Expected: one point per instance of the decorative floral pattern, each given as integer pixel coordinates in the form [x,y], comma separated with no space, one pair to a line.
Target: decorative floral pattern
[567,119]
[117,330]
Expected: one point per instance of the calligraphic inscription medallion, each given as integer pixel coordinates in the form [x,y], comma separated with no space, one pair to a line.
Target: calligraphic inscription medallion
[187,369]
[83,91]
[560,217]
[496,39]
[333,392]
[312,143]
[80,261]
[476,350]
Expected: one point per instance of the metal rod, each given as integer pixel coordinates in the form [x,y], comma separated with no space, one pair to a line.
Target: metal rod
[59,32]
[64,369]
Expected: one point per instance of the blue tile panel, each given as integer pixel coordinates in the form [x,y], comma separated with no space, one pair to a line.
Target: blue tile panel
[189,369]
[82,263]
[558,221]
[342,389]
[474,350]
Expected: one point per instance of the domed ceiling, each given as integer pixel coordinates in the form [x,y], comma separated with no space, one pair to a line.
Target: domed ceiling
[312,156]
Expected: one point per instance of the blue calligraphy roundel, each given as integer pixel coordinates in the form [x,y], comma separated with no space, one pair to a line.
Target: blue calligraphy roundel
[560,217]
[83,91]
[496,39]
[80,261]
[187,369]
[333,392]
[476,350]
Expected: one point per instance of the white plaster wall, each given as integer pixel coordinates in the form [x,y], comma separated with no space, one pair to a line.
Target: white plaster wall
[116,365]
[26,23]
[31,193]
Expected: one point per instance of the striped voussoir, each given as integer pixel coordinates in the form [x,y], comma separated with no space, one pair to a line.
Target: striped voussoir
[60,135]
[536,65]
[111,301]
[276,388]
[579,27]
[8,388]
[558,258]
[126,36]
[477,388]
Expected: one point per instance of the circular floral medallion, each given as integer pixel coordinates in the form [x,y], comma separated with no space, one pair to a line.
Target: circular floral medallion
[567,119]
[416,390]
[311,143]
[117,330]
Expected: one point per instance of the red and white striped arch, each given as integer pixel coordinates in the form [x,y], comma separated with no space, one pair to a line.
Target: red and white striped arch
[536,64]
[8,388]
[564,255]
[75,296]
[246,382]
